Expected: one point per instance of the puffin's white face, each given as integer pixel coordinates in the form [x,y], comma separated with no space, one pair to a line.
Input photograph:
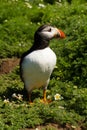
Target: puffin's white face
[50,32]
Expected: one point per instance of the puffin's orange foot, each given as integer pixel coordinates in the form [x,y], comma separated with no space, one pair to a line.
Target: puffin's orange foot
[45,101]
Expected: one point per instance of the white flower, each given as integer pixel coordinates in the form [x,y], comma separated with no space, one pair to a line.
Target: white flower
[48,97]
[60,107]
[41,5]
[14,95]
[57,97]
[6,101]
[20,96]
[74,127]
[28,5]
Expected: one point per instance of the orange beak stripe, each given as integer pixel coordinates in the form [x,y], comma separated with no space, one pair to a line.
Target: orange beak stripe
[62,34]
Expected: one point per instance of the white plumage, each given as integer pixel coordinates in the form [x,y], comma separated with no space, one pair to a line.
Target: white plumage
[41,64]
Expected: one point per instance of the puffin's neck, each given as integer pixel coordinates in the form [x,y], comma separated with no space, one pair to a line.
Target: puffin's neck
[38,45]
[41,44]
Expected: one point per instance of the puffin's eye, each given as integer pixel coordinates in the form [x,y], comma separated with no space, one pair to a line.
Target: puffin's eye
[49,30]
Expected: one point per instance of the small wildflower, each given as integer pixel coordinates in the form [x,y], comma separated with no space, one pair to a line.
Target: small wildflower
[14,95]
[6,101]
[60,107]
[20,96]
[57,97]
[41,5]
[74,127]
[48,97]
[28,5]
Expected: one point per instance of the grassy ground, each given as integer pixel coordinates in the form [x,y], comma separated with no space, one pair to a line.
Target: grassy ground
[17,113]
[69,78]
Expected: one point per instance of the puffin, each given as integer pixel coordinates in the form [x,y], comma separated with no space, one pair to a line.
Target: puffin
[37,64]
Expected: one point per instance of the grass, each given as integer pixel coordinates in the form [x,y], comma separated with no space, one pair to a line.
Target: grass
[17,113]
[69,78]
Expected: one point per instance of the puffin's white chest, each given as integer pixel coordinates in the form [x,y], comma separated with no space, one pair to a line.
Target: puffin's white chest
[38,66]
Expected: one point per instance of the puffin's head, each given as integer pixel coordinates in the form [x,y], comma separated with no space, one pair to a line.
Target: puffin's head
[47,32]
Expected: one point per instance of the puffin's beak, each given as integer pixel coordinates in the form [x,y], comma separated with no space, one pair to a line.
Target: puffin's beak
[61,34]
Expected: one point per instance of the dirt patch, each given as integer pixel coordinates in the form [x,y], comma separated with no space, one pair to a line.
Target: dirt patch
[53,126]
[8,64]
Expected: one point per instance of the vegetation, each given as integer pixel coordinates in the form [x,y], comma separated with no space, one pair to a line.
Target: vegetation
[18,21]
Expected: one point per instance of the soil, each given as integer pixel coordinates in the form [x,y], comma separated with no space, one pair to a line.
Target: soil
[6,66]
[53,126]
